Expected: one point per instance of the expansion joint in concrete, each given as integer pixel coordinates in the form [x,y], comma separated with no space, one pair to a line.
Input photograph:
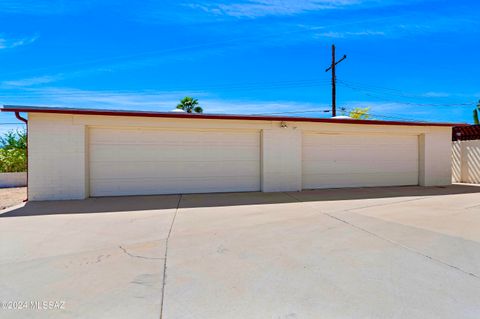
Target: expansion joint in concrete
[166,254]
[405,247]
[392,241]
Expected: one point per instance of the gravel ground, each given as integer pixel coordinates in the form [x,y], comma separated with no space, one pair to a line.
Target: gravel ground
[12,196]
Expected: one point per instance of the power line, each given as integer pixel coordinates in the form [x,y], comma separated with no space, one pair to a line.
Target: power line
[371,86]
[294,112]
[388,91]
[244,86]
[392,117]
[396,118]
[347,110]
[379,95]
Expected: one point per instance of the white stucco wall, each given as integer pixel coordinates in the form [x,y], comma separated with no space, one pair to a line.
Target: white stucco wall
[56,158]
[281,159]
[58,144]
[466,161]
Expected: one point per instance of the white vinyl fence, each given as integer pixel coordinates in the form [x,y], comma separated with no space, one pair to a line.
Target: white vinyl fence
[13,179]
[466,162]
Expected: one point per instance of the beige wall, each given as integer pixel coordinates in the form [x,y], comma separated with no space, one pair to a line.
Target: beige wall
[466,162]
[13,179]
[58,154]
[435,157]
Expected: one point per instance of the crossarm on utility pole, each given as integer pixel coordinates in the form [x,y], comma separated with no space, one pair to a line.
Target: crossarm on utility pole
[343,58]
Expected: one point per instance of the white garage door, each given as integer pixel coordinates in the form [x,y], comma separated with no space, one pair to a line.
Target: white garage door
[151,161]
[353,160]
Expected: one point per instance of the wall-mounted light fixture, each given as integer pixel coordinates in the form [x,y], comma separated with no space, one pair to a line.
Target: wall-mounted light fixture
[283,124]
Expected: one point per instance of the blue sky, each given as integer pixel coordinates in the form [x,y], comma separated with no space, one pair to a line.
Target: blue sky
[407,59]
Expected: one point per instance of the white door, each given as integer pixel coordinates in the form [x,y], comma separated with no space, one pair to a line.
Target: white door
[358,160]
[152,161]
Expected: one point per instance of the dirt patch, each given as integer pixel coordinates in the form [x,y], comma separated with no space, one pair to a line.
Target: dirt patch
[12,196]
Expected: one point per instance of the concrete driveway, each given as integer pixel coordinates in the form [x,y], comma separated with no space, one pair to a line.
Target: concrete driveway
[405,252]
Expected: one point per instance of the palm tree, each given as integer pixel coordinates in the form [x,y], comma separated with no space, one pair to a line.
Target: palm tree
[189,105]
[476,114]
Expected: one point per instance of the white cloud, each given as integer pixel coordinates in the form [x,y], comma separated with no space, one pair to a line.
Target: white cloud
[436,94]
[157,101]
[167,100]
[13,43]
[348,34]
[30,81]
[260,8]
[108,99]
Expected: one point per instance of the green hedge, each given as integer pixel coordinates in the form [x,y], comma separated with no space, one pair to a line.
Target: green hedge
[13,152]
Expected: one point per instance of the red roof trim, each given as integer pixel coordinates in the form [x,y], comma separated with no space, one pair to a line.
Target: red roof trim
[33,109]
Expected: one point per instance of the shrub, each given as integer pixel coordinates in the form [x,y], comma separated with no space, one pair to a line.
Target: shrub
[13,152]
[360,113]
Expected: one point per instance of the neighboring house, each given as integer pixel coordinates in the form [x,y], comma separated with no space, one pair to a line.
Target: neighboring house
[466,154]
[77,153]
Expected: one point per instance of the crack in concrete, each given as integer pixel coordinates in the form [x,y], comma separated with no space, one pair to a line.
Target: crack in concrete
[474,206]
[165,259]
[389,240]
[138,256]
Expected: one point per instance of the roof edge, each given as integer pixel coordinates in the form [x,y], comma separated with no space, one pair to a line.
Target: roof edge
[106,112]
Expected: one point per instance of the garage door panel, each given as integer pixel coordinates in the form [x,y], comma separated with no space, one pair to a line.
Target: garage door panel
[170,169]
[365,154]
[128,153]
[142,186]
[408,149]
[346,139]
[359,180]
[360,167]
[111,136]
[146,161]
[350,160]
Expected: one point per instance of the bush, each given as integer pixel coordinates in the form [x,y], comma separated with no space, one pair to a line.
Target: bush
[13,152]
[360,113]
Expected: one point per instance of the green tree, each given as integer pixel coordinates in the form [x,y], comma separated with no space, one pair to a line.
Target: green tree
[13,152]
[189,105]
[476,114]
[360,113]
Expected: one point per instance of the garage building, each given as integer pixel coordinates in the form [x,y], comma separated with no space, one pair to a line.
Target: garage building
[80,153]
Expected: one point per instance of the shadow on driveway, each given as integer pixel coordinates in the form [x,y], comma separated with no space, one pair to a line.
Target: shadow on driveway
[162,202]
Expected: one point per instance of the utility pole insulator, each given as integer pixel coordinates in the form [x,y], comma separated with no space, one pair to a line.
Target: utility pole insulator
[334,80]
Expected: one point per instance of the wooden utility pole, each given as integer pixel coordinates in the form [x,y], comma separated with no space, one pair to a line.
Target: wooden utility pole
[334,80]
